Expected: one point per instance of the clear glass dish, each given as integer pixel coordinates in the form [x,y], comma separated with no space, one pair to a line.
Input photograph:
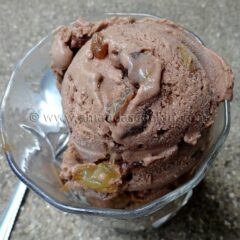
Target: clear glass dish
[33,128]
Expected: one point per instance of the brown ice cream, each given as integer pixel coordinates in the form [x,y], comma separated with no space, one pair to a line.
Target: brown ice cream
[139,96]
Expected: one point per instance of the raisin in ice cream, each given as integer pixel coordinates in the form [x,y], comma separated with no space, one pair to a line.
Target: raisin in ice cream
[139,96]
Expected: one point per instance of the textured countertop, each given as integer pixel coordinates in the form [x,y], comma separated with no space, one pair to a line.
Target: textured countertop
[214,210]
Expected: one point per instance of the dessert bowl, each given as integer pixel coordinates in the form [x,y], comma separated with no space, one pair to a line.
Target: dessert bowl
[33,127]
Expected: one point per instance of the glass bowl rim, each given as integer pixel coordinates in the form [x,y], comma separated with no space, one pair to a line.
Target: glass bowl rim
[144,210]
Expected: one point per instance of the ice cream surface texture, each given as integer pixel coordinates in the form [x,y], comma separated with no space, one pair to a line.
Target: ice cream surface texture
[139,96]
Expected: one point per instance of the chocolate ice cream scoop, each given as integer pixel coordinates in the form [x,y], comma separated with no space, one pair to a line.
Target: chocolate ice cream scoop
[140,93]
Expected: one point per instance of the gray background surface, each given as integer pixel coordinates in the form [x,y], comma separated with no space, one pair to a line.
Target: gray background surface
[214,210]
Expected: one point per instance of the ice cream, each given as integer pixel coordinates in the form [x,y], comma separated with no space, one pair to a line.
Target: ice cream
[139,96]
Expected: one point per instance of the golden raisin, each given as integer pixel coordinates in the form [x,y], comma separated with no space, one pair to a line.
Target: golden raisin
[117,108]
[186,57]
[98,47]
[102,177]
